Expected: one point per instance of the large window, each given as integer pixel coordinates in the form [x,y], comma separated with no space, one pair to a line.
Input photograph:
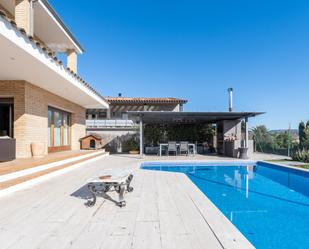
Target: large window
[58,130]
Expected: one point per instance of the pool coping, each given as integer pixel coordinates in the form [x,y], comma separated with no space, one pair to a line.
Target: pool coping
[225,231]
[284,165]
[234,162]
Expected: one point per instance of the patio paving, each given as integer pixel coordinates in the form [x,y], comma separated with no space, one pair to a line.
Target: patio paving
[165,210]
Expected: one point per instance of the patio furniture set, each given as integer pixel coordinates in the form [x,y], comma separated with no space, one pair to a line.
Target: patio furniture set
[174,148]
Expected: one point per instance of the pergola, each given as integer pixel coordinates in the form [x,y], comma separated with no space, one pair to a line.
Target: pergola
[162,117]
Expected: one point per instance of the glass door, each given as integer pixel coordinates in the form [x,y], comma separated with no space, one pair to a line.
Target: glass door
[58,130]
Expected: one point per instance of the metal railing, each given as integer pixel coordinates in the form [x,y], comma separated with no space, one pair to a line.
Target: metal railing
[110,123]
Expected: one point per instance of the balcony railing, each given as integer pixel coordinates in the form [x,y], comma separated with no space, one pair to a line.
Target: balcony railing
[112,123]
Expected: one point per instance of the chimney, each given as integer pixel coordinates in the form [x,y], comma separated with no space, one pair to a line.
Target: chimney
[230,91]
[72,60]
[23,15]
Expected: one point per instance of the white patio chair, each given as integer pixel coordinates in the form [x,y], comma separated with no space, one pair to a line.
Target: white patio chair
[172,147]
[184,148]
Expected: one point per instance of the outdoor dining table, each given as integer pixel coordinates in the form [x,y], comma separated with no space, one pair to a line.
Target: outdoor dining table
[177,144]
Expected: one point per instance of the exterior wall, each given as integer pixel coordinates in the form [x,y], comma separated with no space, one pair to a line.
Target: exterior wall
[22,14]
[72,60]
[232,128]
[30,115]
[9,15]
[113,140]
[17,91]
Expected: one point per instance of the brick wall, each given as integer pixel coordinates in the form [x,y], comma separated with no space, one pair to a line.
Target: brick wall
[30,115]
[22,14]
[72,60]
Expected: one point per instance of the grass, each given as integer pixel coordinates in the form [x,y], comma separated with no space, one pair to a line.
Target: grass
[305,166]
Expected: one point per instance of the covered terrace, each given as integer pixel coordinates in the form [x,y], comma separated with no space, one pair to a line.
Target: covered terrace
[229,133]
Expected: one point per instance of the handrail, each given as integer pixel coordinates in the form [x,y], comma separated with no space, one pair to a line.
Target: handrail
[110,123]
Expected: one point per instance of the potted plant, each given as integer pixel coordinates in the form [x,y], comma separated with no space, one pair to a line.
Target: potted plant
[37,150]
[132,145]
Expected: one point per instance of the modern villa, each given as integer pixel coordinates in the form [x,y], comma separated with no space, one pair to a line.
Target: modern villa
[79,170]
[42,100]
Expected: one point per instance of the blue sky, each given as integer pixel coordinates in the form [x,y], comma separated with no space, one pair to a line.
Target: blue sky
[196,50]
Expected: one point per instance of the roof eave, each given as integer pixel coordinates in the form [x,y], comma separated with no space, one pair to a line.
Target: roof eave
[62,24]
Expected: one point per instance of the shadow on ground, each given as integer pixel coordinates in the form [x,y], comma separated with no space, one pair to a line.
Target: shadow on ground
[85,194]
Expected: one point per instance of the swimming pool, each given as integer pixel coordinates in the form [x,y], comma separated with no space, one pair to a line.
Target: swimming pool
[269,204]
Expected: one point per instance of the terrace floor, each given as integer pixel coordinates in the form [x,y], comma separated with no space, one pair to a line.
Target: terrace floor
[26,163]
[165,210]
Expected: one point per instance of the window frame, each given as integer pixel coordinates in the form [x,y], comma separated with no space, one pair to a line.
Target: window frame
[51,136]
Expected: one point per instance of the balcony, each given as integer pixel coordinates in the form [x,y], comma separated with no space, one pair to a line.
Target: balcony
[110,123]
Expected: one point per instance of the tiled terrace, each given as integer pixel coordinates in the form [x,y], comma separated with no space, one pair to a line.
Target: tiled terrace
[165,210]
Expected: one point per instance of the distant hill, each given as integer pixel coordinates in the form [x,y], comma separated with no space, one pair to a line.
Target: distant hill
[294,133]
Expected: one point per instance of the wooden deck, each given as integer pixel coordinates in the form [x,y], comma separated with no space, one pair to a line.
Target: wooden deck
[26,163]
[164,211]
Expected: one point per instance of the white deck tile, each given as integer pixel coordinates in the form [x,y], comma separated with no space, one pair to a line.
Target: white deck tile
[165,211]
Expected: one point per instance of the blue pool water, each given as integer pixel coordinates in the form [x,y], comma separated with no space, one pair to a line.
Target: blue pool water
[269,204]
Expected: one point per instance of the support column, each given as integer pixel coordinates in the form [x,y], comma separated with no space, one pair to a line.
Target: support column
[247,133]
[72,60]
[108,113]
[23,15]
[141,140]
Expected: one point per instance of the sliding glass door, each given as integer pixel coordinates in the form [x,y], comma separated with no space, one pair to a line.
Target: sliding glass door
[59,123]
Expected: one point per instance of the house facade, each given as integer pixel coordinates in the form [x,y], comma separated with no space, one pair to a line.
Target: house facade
[115,125]
[42,100]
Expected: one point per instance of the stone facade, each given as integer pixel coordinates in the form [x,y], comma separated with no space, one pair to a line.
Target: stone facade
[31,115]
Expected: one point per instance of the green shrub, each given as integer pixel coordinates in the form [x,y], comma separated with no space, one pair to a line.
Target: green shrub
[301,155]
[132,144]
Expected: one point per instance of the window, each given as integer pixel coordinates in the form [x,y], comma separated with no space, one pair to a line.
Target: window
[58,129]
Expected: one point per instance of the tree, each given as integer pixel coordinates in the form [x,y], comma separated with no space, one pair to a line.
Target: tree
[303,135]
[282,140]
[264,140]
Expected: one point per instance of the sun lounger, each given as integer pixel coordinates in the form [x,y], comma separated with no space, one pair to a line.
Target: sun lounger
[119,180]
